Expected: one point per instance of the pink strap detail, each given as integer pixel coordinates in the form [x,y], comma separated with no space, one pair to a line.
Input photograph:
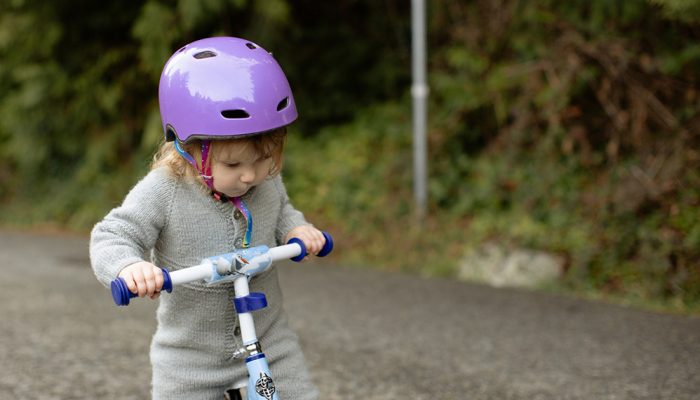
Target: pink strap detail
[205,171]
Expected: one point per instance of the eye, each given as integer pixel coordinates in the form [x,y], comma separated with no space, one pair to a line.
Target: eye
[232,164]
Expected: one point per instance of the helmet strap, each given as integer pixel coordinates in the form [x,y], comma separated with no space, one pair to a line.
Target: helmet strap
[243,209]
[205,169]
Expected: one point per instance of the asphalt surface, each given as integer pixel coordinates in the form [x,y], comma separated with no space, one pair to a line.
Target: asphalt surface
[366,335]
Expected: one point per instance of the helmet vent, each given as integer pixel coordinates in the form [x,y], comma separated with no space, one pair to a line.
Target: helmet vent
[283,104]
[235,114]
[251,46]
[204,54]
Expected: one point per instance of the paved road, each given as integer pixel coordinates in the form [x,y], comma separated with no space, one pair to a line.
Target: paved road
[367,335]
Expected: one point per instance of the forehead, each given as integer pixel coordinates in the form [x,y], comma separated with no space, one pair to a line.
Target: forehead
[233,149]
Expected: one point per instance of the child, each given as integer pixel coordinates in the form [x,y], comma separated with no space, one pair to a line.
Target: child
[214,186]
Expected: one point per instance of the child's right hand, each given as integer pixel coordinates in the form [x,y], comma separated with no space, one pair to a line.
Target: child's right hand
[143,278]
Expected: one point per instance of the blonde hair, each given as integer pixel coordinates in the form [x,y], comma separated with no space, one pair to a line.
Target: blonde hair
[266,145]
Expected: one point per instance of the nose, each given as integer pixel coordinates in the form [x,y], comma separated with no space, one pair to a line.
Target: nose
[248,175]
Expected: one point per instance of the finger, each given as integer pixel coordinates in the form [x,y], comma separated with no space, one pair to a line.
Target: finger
[155,295]
[140,283]
[313,246]
[130,283]
[316,241]
[159,278]
[321,240]
[150,279]
[308,243]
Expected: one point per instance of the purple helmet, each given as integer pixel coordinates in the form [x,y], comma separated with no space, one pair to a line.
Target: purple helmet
[223,87]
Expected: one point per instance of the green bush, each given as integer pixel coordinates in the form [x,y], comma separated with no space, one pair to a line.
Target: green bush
[568,127]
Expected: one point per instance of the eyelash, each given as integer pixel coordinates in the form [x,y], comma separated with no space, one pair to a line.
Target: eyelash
[233,165]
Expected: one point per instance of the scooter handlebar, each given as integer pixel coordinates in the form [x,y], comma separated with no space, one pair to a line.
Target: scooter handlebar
[122,295]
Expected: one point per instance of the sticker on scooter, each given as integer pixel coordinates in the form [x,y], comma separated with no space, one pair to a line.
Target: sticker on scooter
[265,387]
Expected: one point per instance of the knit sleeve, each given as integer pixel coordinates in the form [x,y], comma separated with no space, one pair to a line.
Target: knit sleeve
[289,217]
[130,230]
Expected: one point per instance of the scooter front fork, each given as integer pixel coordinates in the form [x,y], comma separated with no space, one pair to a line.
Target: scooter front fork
[260,383]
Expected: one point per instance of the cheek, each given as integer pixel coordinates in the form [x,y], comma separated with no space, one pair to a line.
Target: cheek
[221,176]
[264,169]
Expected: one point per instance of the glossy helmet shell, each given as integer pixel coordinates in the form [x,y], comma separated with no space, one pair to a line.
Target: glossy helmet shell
[221,88]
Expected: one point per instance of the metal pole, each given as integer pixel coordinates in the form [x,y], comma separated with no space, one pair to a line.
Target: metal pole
[419,93]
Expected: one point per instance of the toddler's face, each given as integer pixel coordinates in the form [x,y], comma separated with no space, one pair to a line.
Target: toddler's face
[236,169]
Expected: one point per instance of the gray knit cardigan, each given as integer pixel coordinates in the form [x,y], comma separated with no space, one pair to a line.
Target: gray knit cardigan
[175,224]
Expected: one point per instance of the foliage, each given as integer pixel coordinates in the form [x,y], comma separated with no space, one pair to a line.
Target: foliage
[571,127]
[78,82]
[684,10]
[567,127]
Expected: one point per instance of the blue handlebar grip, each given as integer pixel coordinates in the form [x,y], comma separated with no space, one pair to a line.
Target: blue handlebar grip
[303,249]
[121,293]
[328,247]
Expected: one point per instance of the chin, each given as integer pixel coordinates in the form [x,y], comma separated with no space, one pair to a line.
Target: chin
[238,193]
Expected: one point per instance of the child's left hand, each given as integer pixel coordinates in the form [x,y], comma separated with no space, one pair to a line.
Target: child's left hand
[313,238]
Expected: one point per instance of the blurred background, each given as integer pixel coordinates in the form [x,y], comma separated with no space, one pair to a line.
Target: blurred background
[563,131]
